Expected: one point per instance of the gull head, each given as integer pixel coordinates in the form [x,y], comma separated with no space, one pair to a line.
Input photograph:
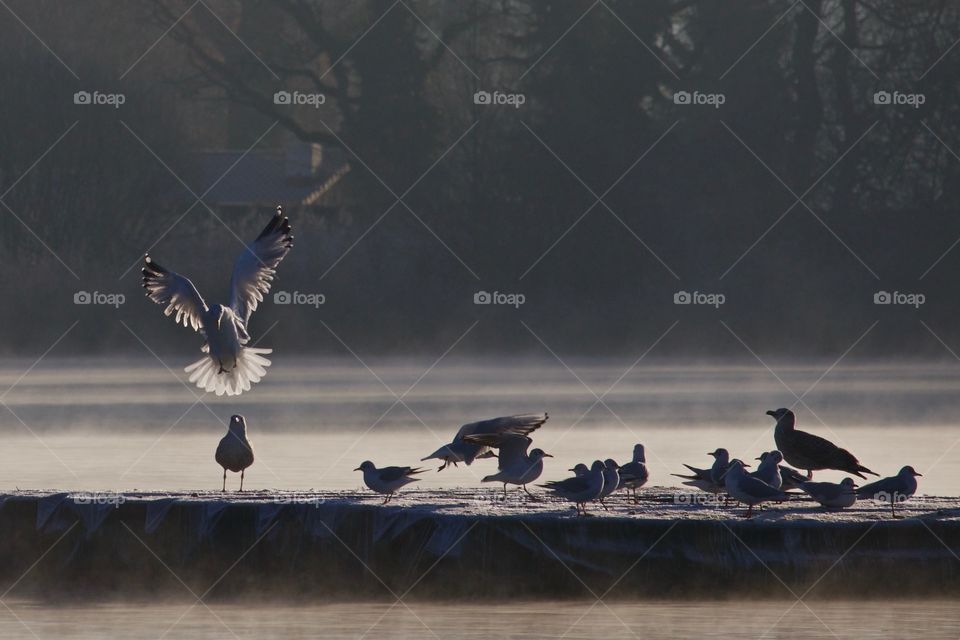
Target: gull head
[238,423]
[847,483]
[366,465]
[639,453]
[736,467]
[909,471]
[580,469]
[720,454]
[610,463]
[597,466]
[539,454]
[776,455]
[778,413]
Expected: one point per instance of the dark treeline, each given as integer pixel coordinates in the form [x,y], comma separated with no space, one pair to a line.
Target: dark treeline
[597,198]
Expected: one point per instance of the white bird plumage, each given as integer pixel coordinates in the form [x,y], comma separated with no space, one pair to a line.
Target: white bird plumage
[387,480]
[832,495]
[229,366]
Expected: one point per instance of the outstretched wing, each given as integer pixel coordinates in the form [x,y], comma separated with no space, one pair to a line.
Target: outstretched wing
[255,267]
[521,425]
[512,447]
[177,292]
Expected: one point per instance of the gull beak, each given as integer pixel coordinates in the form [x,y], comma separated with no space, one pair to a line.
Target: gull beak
[746,465]
[571,469]
[357,469]
[771,413]
[756,458]
[547,455]
[917,474]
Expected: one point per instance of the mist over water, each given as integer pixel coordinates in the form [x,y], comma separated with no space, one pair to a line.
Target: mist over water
[124,424]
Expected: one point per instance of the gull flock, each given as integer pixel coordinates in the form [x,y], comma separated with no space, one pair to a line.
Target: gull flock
[230,365]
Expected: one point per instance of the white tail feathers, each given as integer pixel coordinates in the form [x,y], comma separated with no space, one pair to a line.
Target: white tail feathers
[251,367]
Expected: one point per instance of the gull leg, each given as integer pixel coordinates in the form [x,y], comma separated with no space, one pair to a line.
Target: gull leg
[749,512]
[241,479]
[504,491]
[224,490]
[530,494]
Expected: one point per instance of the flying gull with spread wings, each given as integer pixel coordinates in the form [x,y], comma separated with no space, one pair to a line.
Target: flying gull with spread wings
[460,450]
[228,365]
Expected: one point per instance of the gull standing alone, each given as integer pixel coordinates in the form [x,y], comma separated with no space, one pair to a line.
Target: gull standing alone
[893,489]
[387,480]
[809,452]
[580,489]
[229,366]
[460,450]
[235,452]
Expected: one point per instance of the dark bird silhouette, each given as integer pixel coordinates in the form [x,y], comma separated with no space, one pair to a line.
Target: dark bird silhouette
[809,452]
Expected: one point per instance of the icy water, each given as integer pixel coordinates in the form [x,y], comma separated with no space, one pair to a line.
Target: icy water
[134,424]
[575,619]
